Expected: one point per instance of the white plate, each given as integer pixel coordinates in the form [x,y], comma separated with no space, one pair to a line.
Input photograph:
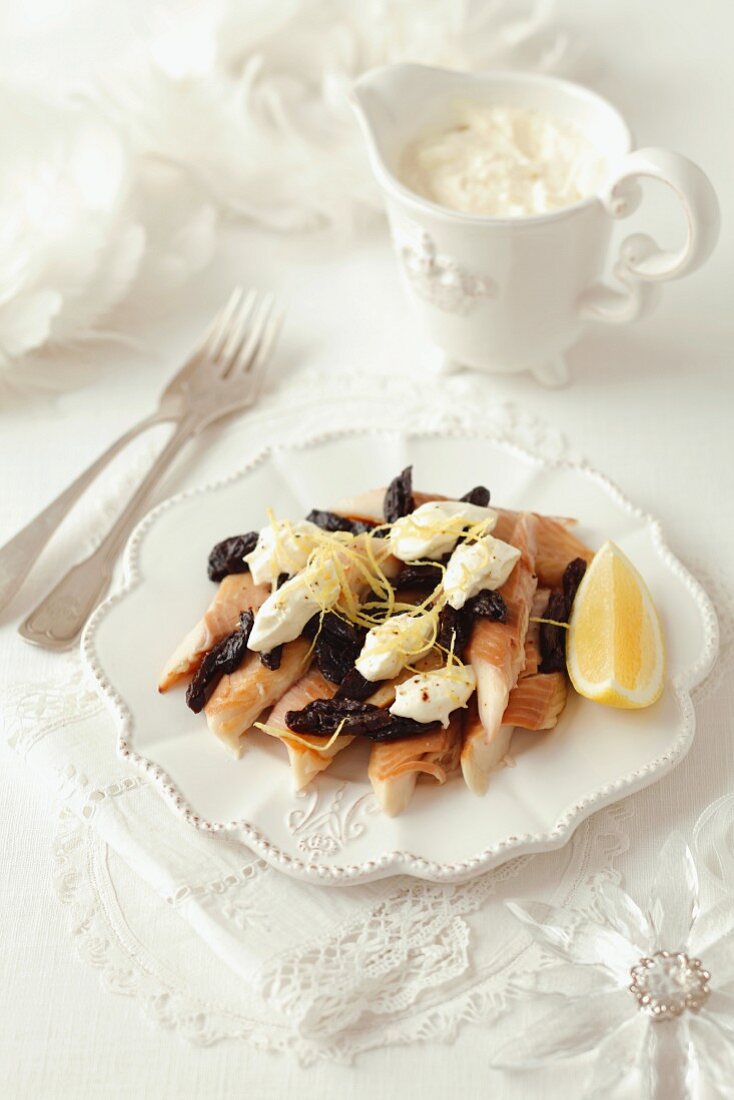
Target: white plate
[333,833]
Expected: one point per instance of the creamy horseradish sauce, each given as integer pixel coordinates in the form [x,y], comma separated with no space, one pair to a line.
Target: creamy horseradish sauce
[503,162]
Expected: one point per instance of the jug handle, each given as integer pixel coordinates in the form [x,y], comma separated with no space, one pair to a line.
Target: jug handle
[641,264]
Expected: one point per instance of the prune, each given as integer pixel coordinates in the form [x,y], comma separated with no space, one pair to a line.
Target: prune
[419,576]
[560,602]
[331,660]
[399,496]
[347,632]
[311,628]
[330,521]
[325,716]
[337,647]
[272,658]
[393,728]
[488,605]
[354,686]
[572,577]
[552,638]
[223,659]
[478,495]
[455,627]
[227,556]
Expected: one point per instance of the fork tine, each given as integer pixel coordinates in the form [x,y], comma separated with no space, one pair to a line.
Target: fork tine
[253,364]
[246,382]
[215,323]
[236,332]
[210,338]
[247,355]
[242,350]
[234,315]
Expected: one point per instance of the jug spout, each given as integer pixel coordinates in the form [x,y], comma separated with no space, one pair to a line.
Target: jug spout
[391,103]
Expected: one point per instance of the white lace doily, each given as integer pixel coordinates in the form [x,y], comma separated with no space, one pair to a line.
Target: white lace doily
[288,966]
[411,967]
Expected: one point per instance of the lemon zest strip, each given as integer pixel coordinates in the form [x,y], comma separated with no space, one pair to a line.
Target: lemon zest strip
[289,735]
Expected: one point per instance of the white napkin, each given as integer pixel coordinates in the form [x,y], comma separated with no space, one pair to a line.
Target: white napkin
[337,966]
[340,968]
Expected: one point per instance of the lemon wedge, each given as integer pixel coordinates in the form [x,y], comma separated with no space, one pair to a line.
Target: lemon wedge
[614,646]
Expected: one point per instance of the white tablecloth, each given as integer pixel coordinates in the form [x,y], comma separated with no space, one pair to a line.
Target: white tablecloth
[651,406]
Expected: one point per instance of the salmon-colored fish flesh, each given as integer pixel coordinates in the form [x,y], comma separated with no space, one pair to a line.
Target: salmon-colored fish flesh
[392,758]
[502,644]
[479,756]
[239,700]
[511,691]
[532,637]
[537,702]
[369,505]
[305,763]
[364,506]
[448,757]
[556,545]
[472,721]
[505,525]
[395,766]
[496,652]
[236,593]
[312,685]
[425,498]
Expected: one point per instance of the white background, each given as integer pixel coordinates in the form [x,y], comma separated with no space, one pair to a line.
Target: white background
[650,405]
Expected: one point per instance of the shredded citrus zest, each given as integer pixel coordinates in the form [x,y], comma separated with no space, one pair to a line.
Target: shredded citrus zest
[283,557]
[443,527]
[289,735]
[408,640]
[345,575]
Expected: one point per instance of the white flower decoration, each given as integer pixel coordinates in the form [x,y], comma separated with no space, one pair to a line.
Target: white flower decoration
[87,223]
[112,191]
[713,841]
[253,99]
[651,993]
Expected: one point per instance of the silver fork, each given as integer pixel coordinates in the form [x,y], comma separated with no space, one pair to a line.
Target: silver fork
[23,550]
[221,377]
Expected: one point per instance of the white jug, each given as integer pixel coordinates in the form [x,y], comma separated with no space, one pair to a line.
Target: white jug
[512,294]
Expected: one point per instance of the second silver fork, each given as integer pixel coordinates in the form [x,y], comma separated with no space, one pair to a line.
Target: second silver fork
[223,378]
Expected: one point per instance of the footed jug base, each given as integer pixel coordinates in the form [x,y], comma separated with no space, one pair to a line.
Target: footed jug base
[443,366]
[552,374]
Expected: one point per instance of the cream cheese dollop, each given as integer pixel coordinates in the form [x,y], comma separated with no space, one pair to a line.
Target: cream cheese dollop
[432,696]
[282,547]
[433,528]
[393,644]
[503,161]
[475,566]
[286,611]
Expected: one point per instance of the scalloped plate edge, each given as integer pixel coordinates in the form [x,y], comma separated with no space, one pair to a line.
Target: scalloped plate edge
[399,862]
